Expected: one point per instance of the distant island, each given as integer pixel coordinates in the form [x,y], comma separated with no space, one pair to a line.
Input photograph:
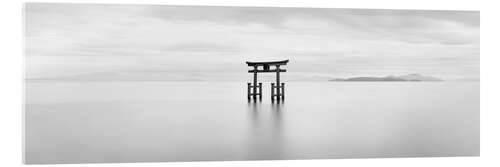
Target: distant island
[402,78]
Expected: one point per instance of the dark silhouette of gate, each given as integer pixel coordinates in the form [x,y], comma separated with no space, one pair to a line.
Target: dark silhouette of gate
[277,89]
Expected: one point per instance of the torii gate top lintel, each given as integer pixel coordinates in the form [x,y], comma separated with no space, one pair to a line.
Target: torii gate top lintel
[270,63]
[266,66]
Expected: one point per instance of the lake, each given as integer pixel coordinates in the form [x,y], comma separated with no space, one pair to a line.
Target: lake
[129,121]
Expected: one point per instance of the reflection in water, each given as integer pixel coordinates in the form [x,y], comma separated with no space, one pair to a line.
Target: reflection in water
[277,129]
[276,111]
[266,138]
[141,122]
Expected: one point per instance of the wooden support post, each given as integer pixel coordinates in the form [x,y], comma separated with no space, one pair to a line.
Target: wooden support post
[278,83]
[248,90]
[260,90]
[272,92]
[283,91]
[255,83]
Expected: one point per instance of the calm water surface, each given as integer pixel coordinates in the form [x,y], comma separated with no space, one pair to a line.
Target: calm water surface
[82,122]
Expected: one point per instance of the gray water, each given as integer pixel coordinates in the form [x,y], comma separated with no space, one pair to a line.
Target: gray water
[87,122]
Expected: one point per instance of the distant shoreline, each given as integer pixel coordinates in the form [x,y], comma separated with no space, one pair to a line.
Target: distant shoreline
[402,78]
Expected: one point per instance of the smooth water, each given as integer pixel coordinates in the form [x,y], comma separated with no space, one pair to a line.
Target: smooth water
[85,122]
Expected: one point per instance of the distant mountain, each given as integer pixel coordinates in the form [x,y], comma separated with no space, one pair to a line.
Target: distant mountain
[402,78]
[419,77]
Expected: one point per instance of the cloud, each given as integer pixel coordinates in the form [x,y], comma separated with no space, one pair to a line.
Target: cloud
[404,25]
[202,47]
[95,38]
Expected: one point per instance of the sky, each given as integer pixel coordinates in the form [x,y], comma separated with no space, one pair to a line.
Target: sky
[200,43]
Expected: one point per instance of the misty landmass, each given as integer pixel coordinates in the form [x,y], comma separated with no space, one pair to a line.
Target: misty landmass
[402,78]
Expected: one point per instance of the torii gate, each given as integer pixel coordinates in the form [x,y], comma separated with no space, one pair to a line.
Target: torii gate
[279,88]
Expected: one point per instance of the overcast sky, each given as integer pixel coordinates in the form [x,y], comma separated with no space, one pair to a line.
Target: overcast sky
[144,42]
